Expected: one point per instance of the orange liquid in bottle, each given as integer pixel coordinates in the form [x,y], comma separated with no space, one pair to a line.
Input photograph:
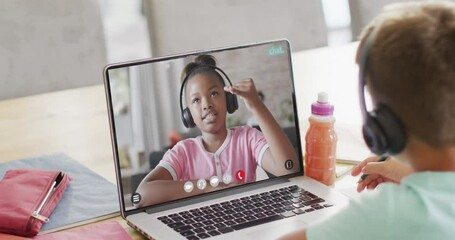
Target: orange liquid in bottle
[320,149]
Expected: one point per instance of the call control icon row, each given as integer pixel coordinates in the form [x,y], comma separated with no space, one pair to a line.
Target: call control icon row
[201,184]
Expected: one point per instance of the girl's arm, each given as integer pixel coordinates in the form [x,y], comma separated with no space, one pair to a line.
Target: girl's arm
[281,148]
[158,187]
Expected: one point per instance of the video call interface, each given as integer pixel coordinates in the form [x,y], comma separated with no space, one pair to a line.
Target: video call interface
[161,159]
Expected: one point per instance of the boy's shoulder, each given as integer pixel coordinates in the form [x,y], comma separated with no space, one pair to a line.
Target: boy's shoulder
[423,201]
[429,184]
[419,197]
[415,191]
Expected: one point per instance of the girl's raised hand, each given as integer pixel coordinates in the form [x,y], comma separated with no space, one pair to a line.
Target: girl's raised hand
[246,90]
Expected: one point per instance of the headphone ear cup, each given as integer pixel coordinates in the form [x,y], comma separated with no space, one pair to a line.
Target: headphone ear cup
[383,131]
[232,103]
[373,135]
[187,119]
[392,128]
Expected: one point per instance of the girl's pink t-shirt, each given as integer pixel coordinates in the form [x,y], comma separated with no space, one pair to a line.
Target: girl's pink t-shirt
[242,150]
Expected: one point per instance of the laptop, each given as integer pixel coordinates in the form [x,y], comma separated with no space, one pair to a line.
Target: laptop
[148,110]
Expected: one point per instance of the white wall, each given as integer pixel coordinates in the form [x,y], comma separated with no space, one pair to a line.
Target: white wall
[49,45]
[363,11]
[46,48]
[181,26]
[125,30]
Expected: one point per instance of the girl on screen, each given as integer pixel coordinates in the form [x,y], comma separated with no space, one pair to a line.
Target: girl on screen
[220,157]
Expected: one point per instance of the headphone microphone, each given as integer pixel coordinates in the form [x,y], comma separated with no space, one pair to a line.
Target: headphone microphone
[231,99]
[382,130]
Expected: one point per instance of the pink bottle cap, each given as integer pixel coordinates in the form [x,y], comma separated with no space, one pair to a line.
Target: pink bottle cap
[322,106]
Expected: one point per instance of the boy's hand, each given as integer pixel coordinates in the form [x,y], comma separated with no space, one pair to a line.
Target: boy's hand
[390,170]
[246,90]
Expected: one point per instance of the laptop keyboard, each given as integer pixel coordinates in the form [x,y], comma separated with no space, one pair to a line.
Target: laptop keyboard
[237,214]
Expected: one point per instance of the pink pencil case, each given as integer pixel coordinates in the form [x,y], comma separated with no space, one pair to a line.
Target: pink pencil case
[28,197]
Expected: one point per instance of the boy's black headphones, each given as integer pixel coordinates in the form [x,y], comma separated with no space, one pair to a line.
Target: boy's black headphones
[382,129]
[231,99]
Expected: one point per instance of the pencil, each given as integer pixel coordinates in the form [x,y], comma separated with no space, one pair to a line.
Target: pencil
[381,159]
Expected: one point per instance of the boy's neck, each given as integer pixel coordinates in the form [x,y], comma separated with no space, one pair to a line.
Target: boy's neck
[426,158]
[213,141]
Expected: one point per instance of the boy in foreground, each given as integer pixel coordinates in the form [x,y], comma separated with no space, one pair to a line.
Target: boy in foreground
[408,57]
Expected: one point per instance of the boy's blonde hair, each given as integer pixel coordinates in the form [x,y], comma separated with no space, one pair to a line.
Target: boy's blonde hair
[411,67]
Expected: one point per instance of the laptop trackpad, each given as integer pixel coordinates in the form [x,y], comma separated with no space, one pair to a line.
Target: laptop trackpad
[277,230]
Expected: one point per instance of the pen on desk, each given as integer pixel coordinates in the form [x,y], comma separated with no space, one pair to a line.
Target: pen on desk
[381,159]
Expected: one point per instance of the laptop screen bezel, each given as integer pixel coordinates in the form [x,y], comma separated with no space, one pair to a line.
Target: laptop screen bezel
[206,196]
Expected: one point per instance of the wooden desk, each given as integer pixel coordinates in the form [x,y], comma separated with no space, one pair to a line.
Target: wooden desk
[75,121]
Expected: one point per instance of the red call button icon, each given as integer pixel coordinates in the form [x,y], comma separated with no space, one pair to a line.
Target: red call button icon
[240,175]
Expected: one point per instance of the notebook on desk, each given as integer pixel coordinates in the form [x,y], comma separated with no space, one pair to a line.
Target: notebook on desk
[215,193]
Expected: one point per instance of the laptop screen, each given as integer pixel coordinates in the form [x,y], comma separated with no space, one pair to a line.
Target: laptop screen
[193,124]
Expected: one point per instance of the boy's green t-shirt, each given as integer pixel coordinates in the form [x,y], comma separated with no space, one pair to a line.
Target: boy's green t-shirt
[421,207]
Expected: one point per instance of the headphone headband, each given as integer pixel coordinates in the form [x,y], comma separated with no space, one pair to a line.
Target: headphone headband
[362,70]
[214,68]
[382,130]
